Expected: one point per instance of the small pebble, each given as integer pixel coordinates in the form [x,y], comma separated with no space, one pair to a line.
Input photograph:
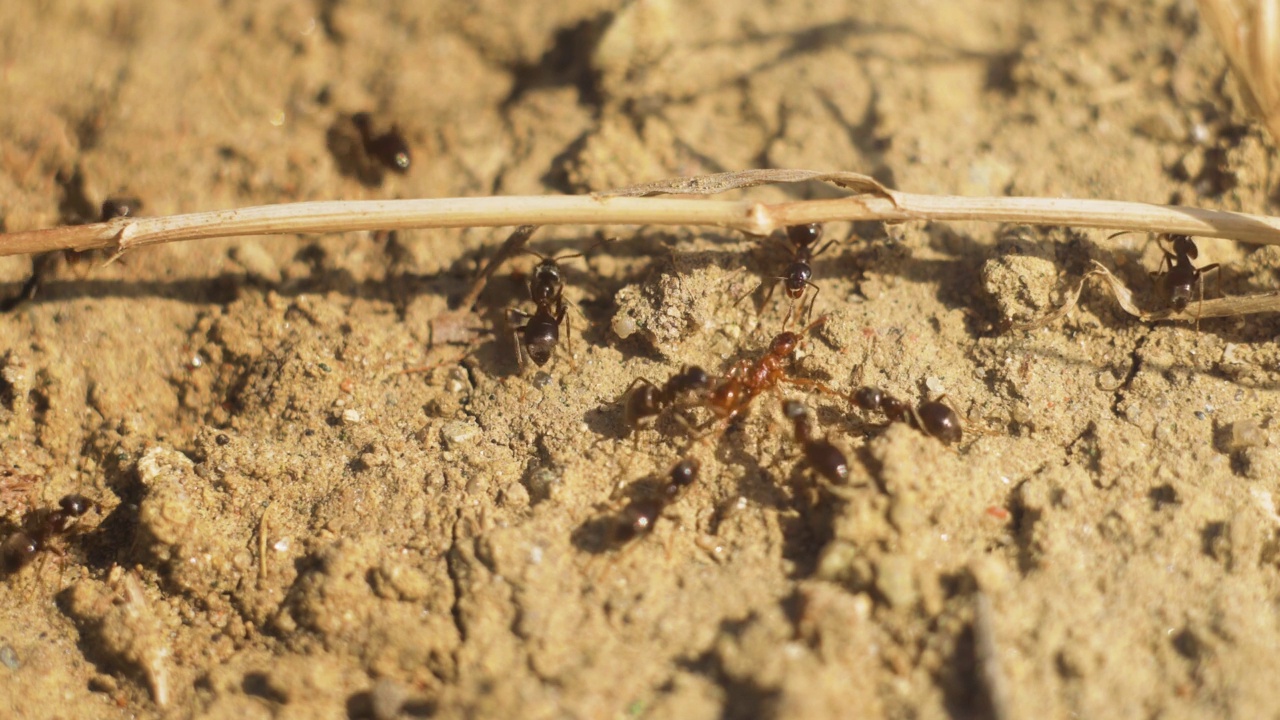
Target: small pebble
[458,432]
[387,698]
[1245,434]
[9,658]
[351,416]
[624,326]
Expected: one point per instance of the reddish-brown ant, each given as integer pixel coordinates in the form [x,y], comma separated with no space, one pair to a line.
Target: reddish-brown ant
[731,397]
[639,515]
[799,273]
[645,399]
[933,417]
[38,528]
[823,458]
[1182,274]
[538,334]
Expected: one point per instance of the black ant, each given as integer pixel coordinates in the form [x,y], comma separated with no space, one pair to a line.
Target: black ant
[645,399]
[1182,274]
[933,417]
[539,333]
[799,273]
[38,528]
[824,458]
[639,515]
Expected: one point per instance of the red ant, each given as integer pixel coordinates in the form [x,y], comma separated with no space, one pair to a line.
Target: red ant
[732,396]
[645,399]
[824,458]
[539,333]
[799,273]
[933,418]
[38,528]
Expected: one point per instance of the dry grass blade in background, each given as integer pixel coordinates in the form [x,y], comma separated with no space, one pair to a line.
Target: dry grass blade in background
[635,206]
[1249,33]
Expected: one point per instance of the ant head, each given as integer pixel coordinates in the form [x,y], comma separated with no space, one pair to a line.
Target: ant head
[540,341]
[695,378]
[546,282]
[804,235]
[685,472]
[784,344]
[797,279]
[1184,245]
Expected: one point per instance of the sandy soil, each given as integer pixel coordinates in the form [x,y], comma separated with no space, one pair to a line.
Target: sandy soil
[288,526]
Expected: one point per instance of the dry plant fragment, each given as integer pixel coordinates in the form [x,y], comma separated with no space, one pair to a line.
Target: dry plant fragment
[1249,33]
[1216,307]
[629,206]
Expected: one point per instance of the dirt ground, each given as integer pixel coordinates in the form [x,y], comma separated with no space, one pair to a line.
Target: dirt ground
[287,525]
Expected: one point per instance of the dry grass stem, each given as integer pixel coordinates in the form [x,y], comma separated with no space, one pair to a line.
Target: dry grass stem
[1249,33]
[628,207]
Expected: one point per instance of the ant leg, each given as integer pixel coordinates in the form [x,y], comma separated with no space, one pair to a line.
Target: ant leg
[815,386]
[830,242]
[561,316]
[1200,281]
[748,294]
[513,313]
[813,300]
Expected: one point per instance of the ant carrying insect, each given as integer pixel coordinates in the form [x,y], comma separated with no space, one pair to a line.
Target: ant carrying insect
[932,417]
[799,273]
[823,458]
[539,333]
[38,528]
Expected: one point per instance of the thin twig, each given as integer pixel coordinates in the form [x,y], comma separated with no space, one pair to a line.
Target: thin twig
[623,208]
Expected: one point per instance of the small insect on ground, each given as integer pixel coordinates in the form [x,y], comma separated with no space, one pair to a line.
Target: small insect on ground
[644,399]
[825,459]
[1182,277]
[731,396]
[537,335]
[799,274]
[932,417]
[39,529]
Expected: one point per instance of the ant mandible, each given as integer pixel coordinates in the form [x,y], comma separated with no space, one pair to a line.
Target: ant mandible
[933,417]
[799,273]
[539,333]
[824,458]
[1182,274]
[38,528]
